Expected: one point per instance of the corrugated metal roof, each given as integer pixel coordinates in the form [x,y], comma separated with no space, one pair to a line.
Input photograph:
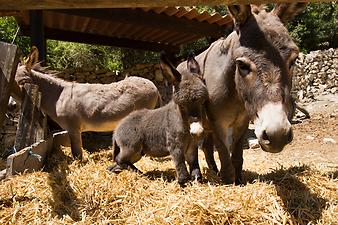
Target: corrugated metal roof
[163,27]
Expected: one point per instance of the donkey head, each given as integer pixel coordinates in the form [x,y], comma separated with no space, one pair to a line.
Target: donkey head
[24,70]
[263,59]
[190,92]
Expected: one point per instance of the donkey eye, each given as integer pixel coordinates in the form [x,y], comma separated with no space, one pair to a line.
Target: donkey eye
[244,68]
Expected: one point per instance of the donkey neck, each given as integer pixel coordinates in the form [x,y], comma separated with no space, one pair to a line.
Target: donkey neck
[50,88]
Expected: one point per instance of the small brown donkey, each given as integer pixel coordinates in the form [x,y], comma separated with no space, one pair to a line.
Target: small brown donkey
[172,129]
[248,76]
[86,107]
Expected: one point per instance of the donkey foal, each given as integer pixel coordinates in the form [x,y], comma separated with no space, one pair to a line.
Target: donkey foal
[172,129]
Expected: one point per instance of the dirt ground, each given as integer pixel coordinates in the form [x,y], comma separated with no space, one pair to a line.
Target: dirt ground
[315,141]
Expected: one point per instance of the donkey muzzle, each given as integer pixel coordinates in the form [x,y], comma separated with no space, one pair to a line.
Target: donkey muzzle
[273,128]
[196,128]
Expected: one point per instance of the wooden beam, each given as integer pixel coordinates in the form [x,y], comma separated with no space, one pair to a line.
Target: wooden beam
[102,40]
[9,13]
[9,58]
[76,4]
[38,34]
[138,17]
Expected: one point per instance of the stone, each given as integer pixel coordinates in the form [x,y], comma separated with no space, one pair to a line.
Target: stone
[308,137]
[329,140]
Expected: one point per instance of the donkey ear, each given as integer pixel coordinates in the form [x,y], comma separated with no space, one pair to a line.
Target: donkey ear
[193,65]
[239,13]
[169,70]
[33,58]
[286,12]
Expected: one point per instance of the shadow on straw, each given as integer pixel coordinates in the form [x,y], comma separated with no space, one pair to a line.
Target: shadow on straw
[64,201]
[304,206]
[167,175]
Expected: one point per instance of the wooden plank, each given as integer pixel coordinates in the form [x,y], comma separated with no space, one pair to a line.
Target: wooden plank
[9,59]
[9,13]
[61,139]
[28,126]
[33,158]
[102,40]
[74,4]
[138,17]
[29,159]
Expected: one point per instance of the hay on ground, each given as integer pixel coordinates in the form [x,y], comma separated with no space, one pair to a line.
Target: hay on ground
[68,191]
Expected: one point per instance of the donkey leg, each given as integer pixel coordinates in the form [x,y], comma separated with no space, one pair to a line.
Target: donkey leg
[237,159]
[177,155]
[76,144]
[227,171]
[124,158]
[191,156]
[208,149]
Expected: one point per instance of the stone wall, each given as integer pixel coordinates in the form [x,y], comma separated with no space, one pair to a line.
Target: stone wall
[316,74]
[149,71]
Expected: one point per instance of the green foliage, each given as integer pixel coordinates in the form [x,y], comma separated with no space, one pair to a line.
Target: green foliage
[221,9]
[130,57]
[9,31]
[74,55]
[316,27]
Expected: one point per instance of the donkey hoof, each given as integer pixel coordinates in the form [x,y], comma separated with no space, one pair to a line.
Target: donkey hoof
[182,181]
[115,168]
[227,180]
[239,181]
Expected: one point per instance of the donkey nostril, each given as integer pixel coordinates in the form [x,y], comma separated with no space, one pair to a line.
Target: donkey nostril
[265,138]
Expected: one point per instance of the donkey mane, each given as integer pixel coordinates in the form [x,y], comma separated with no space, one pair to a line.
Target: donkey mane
[44,69]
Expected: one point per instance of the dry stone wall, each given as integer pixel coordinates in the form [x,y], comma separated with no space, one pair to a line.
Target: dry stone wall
[315,74]
[149,71]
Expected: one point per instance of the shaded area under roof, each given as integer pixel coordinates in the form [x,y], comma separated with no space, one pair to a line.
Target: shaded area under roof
[154,29]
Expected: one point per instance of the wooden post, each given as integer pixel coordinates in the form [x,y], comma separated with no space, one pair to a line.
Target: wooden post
[38,34]
[9,59]
[30,128]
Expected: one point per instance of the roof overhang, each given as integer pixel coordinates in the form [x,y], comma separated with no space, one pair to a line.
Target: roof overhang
[155,29]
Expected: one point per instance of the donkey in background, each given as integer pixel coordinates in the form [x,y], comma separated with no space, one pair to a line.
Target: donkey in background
[86,107]
[248,76]
[173,129]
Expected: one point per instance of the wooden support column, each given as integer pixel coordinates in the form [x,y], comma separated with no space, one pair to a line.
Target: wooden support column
[37,34]
[32,124]
[9,59]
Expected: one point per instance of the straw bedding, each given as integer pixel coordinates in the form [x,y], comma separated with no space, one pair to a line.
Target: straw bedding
[280,189]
